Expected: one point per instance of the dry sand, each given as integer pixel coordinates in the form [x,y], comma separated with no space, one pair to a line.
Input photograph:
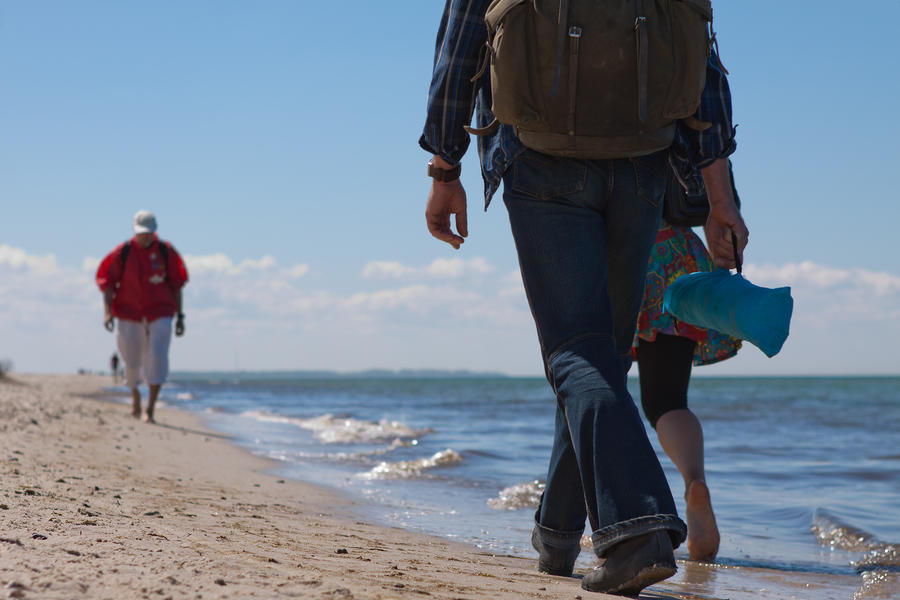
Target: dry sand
[95,504]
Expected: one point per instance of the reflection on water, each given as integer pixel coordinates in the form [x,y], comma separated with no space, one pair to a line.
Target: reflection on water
[802,471]
[704,581]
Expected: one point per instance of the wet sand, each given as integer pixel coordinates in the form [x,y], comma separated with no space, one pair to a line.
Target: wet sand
[95,504]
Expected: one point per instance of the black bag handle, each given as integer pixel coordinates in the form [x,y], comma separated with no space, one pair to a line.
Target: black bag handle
[737,257]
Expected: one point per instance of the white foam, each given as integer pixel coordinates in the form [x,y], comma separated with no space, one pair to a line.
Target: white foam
[410,469]
[185,396]
[333,430]
[520,495]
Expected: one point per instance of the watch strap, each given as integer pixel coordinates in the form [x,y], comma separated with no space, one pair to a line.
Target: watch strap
[443,175]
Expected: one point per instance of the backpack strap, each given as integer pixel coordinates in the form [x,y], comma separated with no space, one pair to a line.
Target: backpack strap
[494,125]
[574,39]
[642,46]
[490,129]
[562,26]
[163,255]
[123,255]
[696,124]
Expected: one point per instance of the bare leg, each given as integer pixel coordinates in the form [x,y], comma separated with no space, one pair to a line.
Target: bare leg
[135,402]
[151,402]
[681,437]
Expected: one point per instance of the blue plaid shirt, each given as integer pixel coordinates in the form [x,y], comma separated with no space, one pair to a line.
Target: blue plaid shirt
[453,98]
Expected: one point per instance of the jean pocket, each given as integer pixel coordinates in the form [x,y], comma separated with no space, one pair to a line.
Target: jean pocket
[546,177]
[650,176]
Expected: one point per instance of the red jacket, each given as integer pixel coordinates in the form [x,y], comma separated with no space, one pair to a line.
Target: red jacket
[144,288]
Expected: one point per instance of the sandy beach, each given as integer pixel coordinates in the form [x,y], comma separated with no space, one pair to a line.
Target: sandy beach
[95,504]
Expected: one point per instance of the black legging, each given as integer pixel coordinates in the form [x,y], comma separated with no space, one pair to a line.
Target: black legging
[664,367]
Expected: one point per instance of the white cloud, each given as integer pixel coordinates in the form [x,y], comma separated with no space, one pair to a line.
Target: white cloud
[17,258]
[386,270]
[444,313]
[512,284]
[298,271]
[218,263]
[221,265]
[457,267]
[266,262]
[810,274]
[826,297]
[90,264]
[439,268]
[409,297]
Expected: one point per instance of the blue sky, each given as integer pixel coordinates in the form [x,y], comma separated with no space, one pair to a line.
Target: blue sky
[276,142]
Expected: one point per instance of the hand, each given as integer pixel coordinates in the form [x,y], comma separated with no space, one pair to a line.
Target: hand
[444,200]
[724,222]
[724,219]
[109,322]
[179,326]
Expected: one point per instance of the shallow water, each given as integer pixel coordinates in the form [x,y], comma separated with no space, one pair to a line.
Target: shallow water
[804,472]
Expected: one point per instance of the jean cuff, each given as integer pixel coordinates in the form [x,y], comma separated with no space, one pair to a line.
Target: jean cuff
[607,537]
[557,539]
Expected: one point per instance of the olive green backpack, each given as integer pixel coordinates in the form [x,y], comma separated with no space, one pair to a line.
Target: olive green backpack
[597,78]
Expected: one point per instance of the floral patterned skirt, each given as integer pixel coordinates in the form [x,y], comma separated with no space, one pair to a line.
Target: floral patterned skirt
[679,251]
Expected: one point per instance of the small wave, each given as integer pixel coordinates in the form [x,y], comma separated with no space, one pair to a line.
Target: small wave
[411,469]
[341,430]
[881,557]
[878,585]
[521,495]
[339,457]
[834,533]
[185,396]
[879,567]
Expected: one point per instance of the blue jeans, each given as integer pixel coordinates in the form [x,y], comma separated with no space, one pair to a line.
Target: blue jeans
[583,231]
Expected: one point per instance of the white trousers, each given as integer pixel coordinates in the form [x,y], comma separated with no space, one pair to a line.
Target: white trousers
[144,348]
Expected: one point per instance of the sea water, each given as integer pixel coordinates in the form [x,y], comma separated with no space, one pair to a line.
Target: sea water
[804,473]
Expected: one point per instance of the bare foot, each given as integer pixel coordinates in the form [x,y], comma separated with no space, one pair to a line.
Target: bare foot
[135,403]
[148,418]
[703,535]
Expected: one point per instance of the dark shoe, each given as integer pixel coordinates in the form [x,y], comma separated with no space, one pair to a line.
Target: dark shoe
[633,564]
[556,559]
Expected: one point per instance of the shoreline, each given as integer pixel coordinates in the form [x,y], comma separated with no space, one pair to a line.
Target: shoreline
[97,504]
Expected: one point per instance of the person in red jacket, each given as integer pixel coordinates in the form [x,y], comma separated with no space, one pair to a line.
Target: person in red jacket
[141,281]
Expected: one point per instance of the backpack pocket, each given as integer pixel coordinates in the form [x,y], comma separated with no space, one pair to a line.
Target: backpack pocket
[514,72]
[690,21]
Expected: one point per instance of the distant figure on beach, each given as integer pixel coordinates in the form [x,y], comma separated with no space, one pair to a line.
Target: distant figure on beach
[665,348]
[141,281]
[114,367]
[584,210]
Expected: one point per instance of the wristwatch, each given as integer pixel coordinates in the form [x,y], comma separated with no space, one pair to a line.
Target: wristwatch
[443,175]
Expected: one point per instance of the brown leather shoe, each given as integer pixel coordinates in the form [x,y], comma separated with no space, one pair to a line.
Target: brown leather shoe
[633,564]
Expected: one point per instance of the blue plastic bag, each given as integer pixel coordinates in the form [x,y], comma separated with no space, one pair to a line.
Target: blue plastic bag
[729,303]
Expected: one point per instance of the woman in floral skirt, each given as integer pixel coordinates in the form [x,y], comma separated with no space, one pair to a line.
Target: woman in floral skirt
[665,350]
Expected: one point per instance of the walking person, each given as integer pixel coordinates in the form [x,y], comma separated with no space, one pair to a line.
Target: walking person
[583,224]
[665,350]
[141,281]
